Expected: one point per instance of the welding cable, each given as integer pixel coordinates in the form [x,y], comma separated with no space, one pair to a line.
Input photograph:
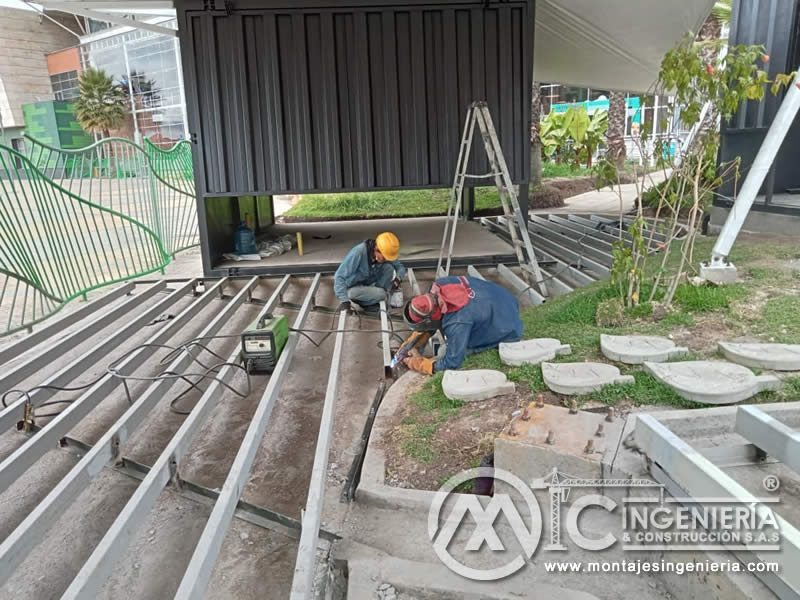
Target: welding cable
[220,381]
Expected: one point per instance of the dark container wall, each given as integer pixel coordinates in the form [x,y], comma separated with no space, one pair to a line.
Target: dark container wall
[776,25]
[288,97]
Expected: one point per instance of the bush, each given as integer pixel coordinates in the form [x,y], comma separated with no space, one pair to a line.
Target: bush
[610,313]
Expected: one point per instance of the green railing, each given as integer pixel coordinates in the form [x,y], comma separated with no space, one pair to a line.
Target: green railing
[153,186]
[56,243]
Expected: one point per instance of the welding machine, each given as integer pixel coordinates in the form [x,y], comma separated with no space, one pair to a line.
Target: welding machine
[263,341]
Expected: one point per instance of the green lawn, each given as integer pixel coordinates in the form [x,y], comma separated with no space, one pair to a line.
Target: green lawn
[406,203]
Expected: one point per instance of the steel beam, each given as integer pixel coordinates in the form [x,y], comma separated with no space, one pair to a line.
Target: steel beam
[116,540]
[473,272]
[518,285]
[302,583]
[51,352]
[562,252]
[15,412]
[27,454]
[572,232]
[58,327]
[699,478]
[769,434]
[117,19]
[412,280]
[198,573]
[386,342]
[577,226]
[576,244]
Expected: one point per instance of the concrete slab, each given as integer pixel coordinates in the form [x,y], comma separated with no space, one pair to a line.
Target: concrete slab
[532,351]
[778,357]
[711,382]
[581,378]
[636,349]
[476,385]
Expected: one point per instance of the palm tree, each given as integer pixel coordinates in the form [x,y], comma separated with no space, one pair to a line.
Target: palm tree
[101,105]
[615,134]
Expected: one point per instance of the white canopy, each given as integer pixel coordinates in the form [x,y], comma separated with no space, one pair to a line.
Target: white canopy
[606,44]
[610,44]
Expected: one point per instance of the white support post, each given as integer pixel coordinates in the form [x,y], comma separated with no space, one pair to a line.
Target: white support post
[719,269]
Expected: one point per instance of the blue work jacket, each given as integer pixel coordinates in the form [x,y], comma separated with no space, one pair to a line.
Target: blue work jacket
[489,318]
[358,268]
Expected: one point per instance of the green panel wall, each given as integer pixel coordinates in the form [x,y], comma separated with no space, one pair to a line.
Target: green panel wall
[53,122]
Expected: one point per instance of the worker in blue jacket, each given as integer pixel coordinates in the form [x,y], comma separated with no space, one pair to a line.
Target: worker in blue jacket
[368,272]
[473,314]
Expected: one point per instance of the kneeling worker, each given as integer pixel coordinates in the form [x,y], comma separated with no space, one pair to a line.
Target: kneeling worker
[473,314]
[367,273]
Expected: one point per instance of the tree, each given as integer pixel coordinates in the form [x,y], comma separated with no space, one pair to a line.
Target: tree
[616,128]
[536,143]
[101,105]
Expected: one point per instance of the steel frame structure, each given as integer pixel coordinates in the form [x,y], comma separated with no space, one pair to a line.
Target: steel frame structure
[688,473]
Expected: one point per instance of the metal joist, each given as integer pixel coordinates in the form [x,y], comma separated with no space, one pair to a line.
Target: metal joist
[198,573]
[412,280]
[696,476]
[580,236]
[26,455]
[50,352]
[473,272]
[386,342]
[117,538]
[58,327]
[578,258]
[555,285]
[521,289]
[576,226]
[567,241]
[302,584]
[770,435]
[48,388]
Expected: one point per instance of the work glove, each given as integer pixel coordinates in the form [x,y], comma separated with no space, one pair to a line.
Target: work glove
[420,364]
[344,306]
[356,307]
[396,283]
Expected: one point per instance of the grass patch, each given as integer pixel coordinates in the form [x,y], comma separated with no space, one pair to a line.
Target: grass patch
[707,298]
[407,203]
[644,390]
[781,319]
[431,398]
[417,441]
[552,169]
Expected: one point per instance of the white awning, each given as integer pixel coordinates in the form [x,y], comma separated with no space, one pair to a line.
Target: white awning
[610,44]
[606,44]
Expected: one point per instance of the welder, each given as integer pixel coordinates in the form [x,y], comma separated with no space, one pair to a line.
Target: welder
[368,273]
[473,315]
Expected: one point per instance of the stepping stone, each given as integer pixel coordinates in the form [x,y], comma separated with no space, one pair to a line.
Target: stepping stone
[778,357]
[710,381]
[581,378]
[636,349]
[532,352]
[476,385]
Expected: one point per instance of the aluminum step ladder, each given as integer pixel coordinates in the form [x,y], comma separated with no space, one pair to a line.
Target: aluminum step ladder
[478,112]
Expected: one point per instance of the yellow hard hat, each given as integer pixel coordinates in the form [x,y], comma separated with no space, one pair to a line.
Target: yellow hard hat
[388,245]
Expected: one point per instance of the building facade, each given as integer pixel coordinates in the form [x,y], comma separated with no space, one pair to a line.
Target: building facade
[25,39]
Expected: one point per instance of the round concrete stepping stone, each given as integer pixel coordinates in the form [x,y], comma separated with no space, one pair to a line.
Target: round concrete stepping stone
[475,385]
[710,381]
[636,349]
[581,378]
[778,357]
[532,351]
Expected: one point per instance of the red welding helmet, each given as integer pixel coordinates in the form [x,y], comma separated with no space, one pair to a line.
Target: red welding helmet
[422,313]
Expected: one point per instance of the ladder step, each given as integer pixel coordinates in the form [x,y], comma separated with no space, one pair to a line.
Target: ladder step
[484,176]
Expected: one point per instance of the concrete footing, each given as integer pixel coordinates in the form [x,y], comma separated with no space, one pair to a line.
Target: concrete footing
[476,385]
[533,351]
[778,357]
[636,349]
[725,273]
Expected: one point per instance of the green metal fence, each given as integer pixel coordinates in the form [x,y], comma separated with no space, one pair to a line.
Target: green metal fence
[153,186]
[56,245]
[75,220]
